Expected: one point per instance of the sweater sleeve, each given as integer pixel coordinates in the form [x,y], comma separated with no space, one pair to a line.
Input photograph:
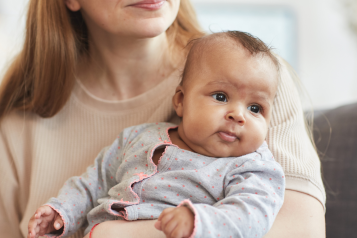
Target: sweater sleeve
[10,214]
[254,193]
[80,193]
[289,141]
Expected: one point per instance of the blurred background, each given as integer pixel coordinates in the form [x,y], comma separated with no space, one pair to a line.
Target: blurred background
[317,37]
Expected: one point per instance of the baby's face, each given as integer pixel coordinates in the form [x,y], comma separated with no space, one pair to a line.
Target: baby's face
[227,99]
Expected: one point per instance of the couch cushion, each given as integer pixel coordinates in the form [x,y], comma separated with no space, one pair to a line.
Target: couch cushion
[338,152]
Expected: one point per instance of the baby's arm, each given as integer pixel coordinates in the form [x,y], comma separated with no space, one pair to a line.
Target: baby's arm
[80,193]
[46,220]
[253,195]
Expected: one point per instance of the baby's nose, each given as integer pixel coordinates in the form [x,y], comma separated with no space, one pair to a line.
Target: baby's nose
[236,116]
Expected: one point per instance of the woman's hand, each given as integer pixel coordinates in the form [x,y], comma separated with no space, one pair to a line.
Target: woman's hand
[176,222]
[45,220]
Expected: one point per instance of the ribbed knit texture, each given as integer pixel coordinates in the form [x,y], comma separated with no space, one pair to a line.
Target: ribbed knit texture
[37,155]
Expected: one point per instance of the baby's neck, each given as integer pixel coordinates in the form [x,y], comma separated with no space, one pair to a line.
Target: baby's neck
[176,140]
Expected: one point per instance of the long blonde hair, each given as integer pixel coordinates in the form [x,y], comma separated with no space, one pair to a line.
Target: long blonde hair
[41,77]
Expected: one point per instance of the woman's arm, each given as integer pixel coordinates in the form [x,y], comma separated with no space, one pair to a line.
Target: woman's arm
[127,229]
[300,216]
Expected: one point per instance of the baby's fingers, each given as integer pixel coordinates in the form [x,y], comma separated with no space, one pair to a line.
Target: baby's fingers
[58,224]
[33,226]
[44,211]
[158,225]
[41,222]
[165,212]
[177,232]
[34,232]
[168,224]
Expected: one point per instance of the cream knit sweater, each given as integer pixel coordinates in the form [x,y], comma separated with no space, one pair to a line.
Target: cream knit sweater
[37,155]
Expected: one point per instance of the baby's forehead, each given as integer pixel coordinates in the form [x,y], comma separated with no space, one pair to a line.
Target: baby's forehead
[203,47]
[222,63]
[219,46]
[239,42]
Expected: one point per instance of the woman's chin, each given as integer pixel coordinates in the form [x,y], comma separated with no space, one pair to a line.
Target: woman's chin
[150,31]
[150,34]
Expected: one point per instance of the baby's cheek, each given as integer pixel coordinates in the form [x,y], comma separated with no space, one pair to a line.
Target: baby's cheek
[258,136]
[195,131]
[196,124]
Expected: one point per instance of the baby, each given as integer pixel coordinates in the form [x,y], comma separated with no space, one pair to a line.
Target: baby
[210,176]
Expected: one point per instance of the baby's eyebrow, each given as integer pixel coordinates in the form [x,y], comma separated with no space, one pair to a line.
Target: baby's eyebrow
[263,98]
[223,83]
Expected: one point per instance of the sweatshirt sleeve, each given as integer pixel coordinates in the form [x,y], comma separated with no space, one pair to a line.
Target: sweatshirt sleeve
[10,214]
[289,140]
[254,194]
[80,193]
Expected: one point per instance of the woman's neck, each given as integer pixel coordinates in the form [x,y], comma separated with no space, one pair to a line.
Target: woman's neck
[120,68]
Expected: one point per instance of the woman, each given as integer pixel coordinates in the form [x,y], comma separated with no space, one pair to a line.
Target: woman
[89,69]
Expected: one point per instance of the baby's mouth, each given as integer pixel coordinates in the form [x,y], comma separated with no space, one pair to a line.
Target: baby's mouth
[227,136]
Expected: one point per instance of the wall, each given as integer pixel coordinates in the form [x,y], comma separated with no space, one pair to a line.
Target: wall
[327,49]
[12,25]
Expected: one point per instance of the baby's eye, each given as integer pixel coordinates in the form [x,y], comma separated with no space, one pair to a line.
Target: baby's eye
[254,108]
[220,97]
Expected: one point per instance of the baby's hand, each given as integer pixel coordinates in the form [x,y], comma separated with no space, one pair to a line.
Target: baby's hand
[45,220]
[176,222]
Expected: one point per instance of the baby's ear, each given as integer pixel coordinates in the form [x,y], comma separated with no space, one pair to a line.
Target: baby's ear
[177,101]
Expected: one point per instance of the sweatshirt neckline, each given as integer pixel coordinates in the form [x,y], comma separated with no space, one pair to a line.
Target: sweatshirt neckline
[157,93]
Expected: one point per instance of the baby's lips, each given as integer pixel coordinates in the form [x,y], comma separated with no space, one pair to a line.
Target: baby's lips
[226,136]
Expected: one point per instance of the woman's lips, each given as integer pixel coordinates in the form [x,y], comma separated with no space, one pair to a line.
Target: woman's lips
[149,4]
[226,136]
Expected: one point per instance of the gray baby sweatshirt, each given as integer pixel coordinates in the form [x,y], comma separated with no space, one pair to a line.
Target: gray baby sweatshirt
[229,197]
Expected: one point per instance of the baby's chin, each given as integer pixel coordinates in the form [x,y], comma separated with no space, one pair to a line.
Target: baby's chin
[222,152]
[219,153]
